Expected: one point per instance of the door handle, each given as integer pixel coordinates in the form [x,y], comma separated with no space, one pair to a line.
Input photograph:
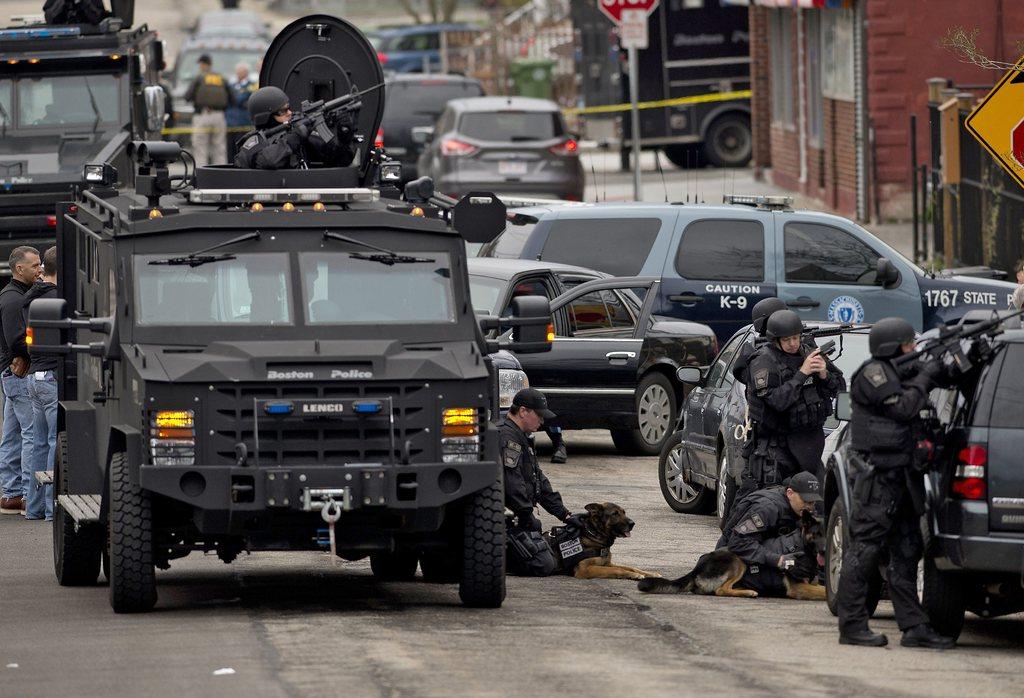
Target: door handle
[614,356]
[803,302]
[686,298]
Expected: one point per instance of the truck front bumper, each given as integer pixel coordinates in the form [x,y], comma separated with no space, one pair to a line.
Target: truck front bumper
[307,488]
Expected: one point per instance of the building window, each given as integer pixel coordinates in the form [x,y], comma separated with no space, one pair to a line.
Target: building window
[815,102]
[837,56]
[782,67]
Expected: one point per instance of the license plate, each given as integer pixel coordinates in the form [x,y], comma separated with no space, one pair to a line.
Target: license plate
[511,168]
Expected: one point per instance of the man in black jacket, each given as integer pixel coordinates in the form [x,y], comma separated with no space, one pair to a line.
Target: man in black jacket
[526,486]
[43,393]
[16,442]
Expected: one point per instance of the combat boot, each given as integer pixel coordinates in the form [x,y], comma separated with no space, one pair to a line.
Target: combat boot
[560,455]
[864,638]
[924,635]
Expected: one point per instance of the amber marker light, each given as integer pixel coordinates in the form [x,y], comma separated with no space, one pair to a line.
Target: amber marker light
[319,207]
[155,213]
[256,207]
[288,206]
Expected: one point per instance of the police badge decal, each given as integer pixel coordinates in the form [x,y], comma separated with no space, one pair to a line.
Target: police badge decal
[845,309]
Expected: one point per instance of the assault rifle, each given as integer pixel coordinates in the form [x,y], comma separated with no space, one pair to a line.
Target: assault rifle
[320,117]
[948,341]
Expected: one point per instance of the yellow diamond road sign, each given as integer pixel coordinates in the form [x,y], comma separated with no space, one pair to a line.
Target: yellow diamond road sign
[998,122]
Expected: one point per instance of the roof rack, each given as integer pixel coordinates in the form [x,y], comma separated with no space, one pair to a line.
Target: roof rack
[247,196]
[768,203]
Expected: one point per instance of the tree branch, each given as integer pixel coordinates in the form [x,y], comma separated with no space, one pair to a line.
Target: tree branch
[963,43]
[408,6]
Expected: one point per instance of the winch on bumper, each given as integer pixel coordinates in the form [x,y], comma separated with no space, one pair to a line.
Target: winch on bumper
[307,488]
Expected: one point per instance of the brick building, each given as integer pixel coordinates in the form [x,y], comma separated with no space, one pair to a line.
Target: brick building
[835,83]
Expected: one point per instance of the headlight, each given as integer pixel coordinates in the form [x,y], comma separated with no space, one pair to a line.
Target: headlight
[173,437]
[510,382]
[460,435]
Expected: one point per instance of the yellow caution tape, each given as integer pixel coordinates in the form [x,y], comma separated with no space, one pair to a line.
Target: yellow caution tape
[655,104]
[180,130]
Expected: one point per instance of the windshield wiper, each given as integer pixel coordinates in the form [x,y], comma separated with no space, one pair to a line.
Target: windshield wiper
[384,256]
[95,107]
[7,118]
[199,257]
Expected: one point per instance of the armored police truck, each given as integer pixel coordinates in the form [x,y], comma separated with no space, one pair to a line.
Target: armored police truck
[70,94]
[277,360]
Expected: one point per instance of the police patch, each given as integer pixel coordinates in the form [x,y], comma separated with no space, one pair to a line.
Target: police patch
[761,379]
[570,547]
[758,521]
[513,452]
[251,143]
[746,527]
[875,374]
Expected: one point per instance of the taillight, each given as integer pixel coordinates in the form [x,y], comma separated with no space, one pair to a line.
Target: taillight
[51,221]
[378,142]
[969,477]
[570,147]
[457,148]
[382,57]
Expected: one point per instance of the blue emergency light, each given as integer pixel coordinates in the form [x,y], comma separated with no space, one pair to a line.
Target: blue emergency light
[368,407]
[278,408]
[38,33]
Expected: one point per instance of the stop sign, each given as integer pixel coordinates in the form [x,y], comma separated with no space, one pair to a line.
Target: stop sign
[613,8]
[1017,141]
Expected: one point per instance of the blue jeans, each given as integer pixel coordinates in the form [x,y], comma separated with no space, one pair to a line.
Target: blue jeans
[16,441]
[43,392]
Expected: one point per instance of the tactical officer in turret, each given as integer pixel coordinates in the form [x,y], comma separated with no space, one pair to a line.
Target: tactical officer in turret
[888,495]
[294,147]
[526,486]
[790,392]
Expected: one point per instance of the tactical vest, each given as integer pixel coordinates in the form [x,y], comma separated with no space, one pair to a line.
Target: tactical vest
[567,545]
[211,92]
[889,442]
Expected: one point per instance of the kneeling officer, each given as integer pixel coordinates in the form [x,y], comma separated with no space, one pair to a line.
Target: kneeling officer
[526,486]
[289,149]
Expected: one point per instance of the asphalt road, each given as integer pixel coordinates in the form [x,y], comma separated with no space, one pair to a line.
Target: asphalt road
[279,624]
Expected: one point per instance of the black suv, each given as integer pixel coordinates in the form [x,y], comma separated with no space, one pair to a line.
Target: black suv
[974,528]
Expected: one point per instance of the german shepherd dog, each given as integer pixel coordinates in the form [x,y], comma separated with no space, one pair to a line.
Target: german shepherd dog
[588,554]
[717,573]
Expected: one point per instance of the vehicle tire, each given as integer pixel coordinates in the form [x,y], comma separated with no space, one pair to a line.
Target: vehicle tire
[837,539]
[76,554]
[685,155]
[944,598]
[440,566]
[132,577]
[482,584]
[683,497]
[399,566]
[655,416]
[729,141]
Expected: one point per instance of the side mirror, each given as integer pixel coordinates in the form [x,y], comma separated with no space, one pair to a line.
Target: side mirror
[689,374]
[532,329]
[843,409]
[47,317]
[156,108]
[886,274]
[421,135]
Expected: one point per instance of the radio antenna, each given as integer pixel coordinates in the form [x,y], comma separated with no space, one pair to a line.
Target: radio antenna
[657,161]
[593,174]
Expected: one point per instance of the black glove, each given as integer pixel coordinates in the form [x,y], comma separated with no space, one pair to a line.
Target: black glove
[577,520]
[301,129]
[294,141]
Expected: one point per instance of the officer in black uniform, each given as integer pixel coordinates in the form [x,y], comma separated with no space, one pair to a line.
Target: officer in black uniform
[293,148]
[790,392]
[764,531]
[888,496]
[526,486]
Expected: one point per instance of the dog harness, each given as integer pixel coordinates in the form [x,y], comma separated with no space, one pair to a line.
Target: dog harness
[567,545]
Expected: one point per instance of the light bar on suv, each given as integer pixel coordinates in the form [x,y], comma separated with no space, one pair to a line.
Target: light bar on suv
[38,33]
[769,202]
[248,196]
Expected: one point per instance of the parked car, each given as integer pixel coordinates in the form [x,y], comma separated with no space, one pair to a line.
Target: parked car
[613,363]
[716,262]
[974,531]
[704,451]
[226,53]
[417,100]
[417,49]
[508,145]
[234,22]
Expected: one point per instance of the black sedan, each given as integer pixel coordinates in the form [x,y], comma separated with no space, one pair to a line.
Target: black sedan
[704,452]
[612,364]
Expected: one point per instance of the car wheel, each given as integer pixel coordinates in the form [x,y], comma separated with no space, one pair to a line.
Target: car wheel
[729,141]
[725,484]
[682,496]
[655,416]
[837,539]
[482,583]
[132,576]
[944,599]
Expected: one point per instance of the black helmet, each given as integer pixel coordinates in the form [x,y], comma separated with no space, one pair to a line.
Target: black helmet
[264,102]
[887,335]
[783,323]
[762,310]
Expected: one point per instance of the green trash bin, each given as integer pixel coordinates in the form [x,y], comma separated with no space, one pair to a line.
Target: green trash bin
[532,77]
